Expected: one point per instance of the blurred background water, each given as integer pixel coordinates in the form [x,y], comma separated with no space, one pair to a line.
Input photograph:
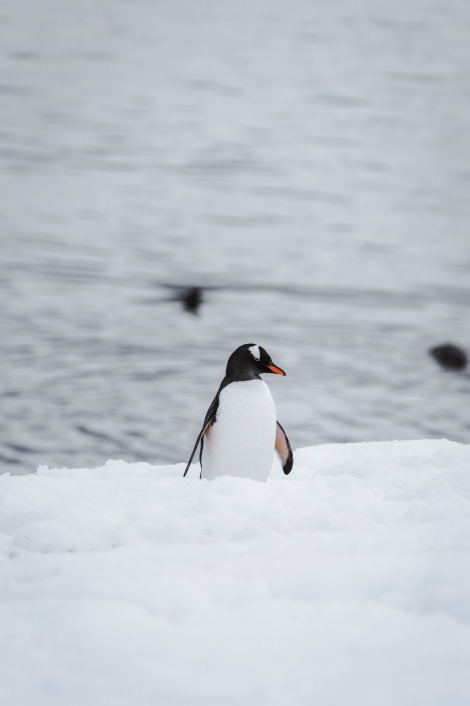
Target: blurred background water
[305,163]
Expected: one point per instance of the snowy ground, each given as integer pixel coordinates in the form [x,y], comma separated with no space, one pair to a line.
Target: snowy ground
[346,583]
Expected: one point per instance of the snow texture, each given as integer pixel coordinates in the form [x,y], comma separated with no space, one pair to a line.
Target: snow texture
[347,582]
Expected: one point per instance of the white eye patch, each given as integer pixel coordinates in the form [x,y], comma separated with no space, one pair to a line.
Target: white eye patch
[255,352]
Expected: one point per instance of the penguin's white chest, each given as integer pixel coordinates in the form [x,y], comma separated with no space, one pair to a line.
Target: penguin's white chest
[241,442]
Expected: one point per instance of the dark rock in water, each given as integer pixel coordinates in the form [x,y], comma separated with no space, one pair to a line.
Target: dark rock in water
[191,298]
[449,356]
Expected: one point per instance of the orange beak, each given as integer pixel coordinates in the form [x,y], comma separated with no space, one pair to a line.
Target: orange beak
[275,369]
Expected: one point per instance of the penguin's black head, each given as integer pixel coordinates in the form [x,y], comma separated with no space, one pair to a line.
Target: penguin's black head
[250,361]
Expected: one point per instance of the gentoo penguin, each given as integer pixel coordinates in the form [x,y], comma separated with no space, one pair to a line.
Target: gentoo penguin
[240,430]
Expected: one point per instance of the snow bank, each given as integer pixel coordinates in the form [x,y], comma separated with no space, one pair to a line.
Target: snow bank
[347,582]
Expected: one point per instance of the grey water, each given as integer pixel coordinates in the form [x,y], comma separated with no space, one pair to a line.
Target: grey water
[307,164]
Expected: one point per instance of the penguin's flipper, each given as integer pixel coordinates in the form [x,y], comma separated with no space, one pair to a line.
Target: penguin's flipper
[199,439]
[284,450]
[208,421]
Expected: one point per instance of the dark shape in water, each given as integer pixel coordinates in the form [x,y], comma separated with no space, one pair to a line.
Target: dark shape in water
[191,298]
[449,356]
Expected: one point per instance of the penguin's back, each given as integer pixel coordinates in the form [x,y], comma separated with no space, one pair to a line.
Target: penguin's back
[241,441]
